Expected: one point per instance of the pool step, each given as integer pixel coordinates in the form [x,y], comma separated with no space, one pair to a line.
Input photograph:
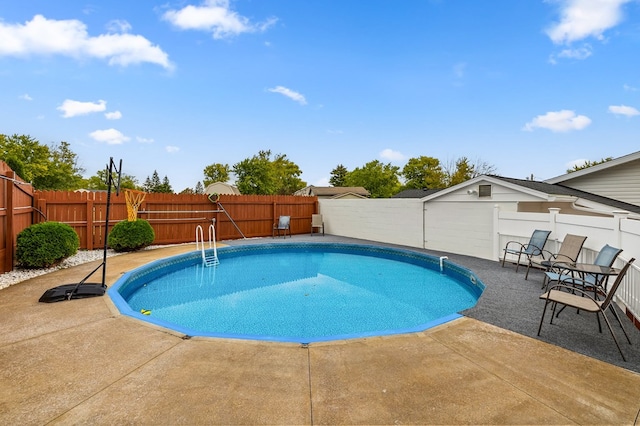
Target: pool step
[210,260]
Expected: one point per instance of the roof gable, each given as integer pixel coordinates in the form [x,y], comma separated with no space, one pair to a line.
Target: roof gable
[595,169]
[539,189]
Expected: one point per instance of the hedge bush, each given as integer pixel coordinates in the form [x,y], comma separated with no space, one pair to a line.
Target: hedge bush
[131,236]
[46,244]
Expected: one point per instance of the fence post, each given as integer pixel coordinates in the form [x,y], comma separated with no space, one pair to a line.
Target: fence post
[617,233]
[8,236]
[496,231]
[89,229]
[553,218]
[273,213]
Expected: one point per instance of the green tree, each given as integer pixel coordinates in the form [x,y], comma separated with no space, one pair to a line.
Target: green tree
[254,175]
[481,167]
[199,188]
[52,167]
[339,176]
[27,155]
[153,184]
[63,172]
[166,186]
[216,172]
[381,180]
[424,172]
[588,164]
[99,181]
[287,175]
[264,176]
[462,172]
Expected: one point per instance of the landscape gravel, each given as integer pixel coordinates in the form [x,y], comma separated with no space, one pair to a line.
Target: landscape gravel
[82,256]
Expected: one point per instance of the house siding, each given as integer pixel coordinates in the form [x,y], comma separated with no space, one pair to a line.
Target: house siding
[620,183]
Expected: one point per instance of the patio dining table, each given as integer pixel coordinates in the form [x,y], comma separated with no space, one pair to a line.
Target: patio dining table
[580,270]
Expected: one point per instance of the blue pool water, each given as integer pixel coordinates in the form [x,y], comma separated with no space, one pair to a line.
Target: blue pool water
[298,292]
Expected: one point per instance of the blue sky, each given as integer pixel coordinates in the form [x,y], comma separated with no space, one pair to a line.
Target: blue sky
[529,86]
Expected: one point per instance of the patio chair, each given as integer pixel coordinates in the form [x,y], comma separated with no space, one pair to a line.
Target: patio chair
[532,248]
[317,222]
[569,251]
[606,256]
[569,295]
[282,227]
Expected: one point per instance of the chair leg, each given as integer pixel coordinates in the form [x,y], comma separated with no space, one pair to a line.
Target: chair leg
[526,276]
[546,302]
[518,262]
[617,317]
[614,336]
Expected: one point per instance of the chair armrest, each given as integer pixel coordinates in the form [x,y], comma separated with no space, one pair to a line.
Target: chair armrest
[551,255]
[564,258]
[572,289]
[506,247]
[585,283]
[559,268]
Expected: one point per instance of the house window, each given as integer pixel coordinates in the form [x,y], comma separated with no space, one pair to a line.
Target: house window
[484,190]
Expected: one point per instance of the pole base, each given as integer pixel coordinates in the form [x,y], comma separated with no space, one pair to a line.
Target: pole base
[73,291]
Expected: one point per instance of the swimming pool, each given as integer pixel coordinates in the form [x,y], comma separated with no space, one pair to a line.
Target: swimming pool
[298,292]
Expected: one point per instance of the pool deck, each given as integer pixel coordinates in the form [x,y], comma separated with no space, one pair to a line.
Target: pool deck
[81,362]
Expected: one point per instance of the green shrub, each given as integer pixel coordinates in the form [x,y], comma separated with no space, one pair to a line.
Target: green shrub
[131,236]
[46,244]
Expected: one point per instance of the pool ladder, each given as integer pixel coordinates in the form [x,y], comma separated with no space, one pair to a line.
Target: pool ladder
[210,259]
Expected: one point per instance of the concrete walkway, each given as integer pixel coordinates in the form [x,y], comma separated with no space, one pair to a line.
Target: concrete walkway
[81,362]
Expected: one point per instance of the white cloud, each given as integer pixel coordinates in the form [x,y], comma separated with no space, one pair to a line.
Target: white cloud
[171,149]
[119,26]
[629,88]
[580,53]
[42,36]
[71,108]
[623,110]
[581,19]
[289,94]
[391,155]
[214,16]
[115,115]
[144,140]
[109,136]
[558,121]
[26,97]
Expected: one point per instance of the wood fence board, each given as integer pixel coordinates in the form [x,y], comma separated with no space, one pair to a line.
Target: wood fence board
[174,217]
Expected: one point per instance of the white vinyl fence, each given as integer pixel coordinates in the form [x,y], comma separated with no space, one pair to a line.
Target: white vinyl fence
[618,231]
[402,221]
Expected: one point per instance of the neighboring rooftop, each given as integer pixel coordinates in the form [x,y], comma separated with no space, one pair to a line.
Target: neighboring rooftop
[415,193]
[557,189]
[333,191]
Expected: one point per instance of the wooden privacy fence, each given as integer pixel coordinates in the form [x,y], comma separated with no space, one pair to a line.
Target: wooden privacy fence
[174,217]
[15,213]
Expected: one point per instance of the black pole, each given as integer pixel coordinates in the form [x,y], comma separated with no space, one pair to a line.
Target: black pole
[106,227]
[83,289]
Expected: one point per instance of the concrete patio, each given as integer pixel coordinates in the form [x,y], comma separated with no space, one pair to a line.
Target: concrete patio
[81,362]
